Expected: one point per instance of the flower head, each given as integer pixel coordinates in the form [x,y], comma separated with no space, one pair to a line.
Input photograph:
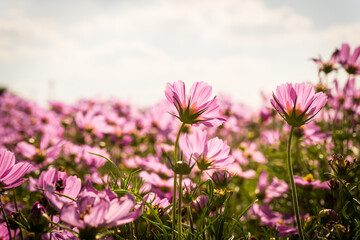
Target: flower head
[351,62]
[11,172]
[309,181]
[100,209]
[194,107]
[213,153]
[57,181]
[297,104]
[94,211]
[329,66]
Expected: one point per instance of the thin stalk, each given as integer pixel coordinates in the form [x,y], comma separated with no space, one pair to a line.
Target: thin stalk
[293,188]
[180,203]
[190,219]
[51,219]
[174,208]
[17,210]
[6,220]
[339,201]
[175,181]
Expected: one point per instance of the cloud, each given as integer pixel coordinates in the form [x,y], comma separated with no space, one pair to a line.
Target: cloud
[133,49]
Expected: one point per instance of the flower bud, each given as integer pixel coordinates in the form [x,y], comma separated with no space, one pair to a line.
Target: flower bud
[221,179]
[309,222]
[327,215]
[38,219]
[182,168]
[220,197]
[200,203]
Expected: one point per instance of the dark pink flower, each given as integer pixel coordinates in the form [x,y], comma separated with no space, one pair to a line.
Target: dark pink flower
[297,104]
[11,172]
[194,107]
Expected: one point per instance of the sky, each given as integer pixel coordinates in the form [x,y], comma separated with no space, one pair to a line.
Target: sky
[67,50]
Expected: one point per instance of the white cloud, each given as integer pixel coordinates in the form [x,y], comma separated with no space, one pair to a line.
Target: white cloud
[133,50]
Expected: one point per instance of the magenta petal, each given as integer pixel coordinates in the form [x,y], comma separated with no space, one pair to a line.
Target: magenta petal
[26,149]
[7,160]
[130,217]
[15,184]
[96,216]
[17,171]
[70,215]
[119,209]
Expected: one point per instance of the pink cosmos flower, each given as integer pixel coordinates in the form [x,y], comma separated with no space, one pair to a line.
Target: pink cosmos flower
[297,104]
[57,181]
[275,189]
[250,152]
[44,153]
[328,66]
[270,136]
[11,172]
[92,123]
[274,219]
[194,107]
[60,233]
[351,63]
[309,180]
[4,233]
[96,210]
[213,153]
[158,203]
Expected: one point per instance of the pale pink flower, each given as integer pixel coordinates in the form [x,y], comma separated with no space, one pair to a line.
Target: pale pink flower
[350,62]
[213,153]
[297,104]
[328,66]
[194,107]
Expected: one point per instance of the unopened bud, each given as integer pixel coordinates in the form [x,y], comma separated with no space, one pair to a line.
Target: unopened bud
[38,219]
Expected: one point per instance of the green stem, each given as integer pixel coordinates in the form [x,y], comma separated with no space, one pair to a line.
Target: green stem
[175,181]
[174,208]
[293,188]
[180,203]
[6,220]
[17,210]
[177,143]
[190,219]
[339,201]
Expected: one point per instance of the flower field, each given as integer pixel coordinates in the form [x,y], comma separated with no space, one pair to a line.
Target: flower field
[193,166]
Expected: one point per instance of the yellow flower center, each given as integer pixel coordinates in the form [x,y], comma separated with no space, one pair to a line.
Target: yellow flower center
[309,178]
